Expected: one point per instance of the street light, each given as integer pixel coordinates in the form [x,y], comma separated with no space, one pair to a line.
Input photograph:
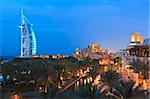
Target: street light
[16,96]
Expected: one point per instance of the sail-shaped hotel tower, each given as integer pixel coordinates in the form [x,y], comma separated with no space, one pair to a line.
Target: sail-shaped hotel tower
[28,39]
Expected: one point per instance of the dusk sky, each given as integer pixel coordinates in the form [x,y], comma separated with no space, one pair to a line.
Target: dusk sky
[63,25]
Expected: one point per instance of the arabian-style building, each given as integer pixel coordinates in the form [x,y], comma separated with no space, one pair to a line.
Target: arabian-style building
[136,38]
[95,51]
[138,48]
[28,39]
[54,56]
[140,51]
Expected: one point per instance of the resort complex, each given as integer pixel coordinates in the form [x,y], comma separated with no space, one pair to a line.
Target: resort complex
[82,49]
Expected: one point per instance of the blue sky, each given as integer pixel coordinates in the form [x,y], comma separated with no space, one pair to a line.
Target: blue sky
[63,25]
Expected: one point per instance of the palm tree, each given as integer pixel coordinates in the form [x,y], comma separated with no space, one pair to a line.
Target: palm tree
[8,68]
[127,89]
[47,78]
[145,70]
[93,73]
[119,61]
[70,59]
[136,65]
[88,61]
[140,66]
[81,64]
[95,62]
[59,71]
[90,91]
[109,80]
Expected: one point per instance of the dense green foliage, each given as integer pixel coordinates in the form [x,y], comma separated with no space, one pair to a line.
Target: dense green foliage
[23,75]
[141,67]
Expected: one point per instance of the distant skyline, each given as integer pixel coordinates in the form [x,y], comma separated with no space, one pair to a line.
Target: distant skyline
[62,25]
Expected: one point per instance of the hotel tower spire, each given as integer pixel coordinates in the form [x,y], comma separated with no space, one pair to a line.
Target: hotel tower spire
[28,39]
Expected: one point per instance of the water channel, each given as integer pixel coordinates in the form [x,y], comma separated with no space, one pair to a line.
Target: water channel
[76,89]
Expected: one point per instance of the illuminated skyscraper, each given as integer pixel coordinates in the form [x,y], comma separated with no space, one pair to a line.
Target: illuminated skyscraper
[28,39]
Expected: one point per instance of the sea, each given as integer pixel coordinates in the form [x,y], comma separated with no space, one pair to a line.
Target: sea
[8,57]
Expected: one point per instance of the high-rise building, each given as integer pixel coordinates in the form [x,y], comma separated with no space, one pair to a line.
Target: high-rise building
[28,39]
